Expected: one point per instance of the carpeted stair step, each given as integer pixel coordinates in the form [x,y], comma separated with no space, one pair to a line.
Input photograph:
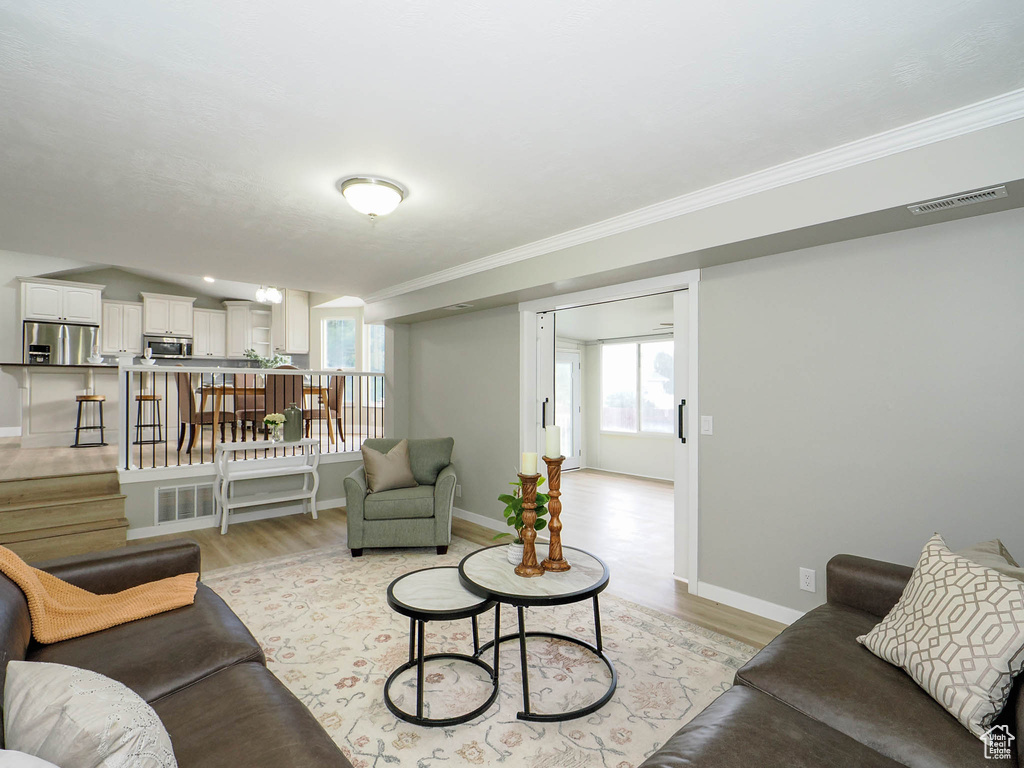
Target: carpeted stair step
[58,487]
[62,515]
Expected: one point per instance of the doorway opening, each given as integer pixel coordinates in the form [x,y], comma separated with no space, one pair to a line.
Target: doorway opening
[614,398]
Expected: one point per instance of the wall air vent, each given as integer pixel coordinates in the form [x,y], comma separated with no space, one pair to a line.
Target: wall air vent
[456,307]
[958,201]
[184,502]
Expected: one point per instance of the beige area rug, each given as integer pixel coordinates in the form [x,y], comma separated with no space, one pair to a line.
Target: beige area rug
[323,620]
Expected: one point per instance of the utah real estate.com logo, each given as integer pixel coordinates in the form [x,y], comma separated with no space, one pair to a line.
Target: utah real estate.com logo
[997,742]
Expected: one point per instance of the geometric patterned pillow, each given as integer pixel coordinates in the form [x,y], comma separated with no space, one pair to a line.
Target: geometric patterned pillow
[958,630]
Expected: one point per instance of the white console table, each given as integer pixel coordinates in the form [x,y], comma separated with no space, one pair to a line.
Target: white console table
[299,459]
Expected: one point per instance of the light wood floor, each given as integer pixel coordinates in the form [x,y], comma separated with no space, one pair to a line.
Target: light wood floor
[624,520]
[17,462]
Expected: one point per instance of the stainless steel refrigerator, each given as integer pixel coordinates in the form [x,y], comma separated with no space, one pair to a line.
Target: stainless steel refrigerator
[59,343]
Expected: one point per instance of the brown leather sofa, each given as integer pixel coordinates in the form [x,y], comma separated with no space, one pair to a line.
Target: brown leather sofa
[198,666]
[816,698]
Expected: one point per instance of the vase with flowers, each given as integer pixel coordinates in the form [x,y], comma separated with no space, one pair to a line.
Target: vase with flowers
[513,513]
[273,422]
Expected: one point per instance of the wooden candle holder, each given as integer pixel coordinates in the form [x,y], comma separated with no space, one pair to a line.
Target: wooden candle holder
[554,560]
[529,567]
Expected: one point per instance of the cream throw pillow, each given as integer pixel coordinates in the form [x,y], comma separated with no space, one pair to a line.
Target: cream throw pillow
[958,631]
[11,759]
[386,471]
[80,719]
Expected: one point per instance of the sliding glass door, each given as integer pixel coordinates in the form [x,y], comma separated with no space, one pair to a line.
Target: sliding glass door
[568,391]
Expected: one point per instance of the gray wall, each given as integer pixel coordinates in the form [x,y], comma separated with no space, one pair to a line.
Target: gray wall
[140,497]
[122,285]
[464,383]
[865,395]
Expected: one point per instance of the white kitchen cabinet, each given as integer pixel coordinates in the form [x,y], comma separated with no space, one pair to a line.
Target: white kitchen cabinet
[181,318]
[210,333]
[239,330]
[131,329]
[167,315]
[59,301]
[291,323]
[121,329]
[249,326]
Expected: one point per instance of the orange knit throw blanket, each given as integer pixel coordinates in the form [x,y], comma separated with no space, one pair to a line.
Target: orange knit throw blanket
[61,611]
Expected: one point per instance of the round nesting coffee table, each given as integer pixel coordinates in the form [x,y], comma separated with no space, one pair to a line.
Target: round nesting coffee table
[487,573]
[436,594]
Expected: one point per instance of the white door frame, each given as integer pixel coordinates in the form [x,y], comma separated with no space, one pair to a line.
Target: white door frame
[529,412]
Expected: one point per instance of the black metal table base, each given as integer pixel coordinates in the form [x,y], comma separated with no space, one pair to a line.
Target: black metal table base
[438,721]
[597,650]
[417,659]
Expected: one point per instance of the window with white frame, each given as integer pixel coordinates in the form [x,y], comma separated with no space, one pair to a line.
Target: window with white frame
[373,352]
[637,387]
[339,342]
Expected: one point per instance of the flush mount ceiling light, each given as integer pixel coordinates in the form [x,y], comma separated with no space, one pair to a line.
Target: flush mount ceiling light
[209,279]
[371,196]
[269,295]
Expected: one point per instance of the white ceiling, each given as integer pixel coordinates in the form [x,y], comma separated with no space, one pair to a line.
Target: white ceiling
[205,137]
[616,319]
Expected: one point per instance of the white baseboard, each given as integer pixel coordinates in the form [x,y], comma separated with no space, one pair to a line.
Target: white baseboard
[481,520]
[625,474]
[754,605]
[10,431]
[180,526]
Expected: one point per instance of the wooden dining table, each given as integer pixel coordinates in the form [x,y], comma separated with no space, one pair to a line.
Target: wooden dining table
[219,390]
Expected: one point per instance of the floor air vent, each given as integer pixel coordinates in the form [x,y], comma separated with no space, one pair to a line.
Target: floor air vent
[184,502]
[958,201]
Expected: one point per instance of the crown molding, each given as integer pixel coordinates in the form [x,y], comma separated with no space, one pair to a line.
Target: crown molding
[973,117]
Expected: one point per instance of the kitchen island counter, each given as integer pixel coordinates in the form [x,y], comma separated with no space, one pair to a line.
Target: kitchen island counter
[48,407]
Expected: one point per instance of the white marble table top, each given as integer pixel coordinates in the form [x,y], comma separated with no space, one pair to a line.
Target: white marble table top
[489,570]
[434,590]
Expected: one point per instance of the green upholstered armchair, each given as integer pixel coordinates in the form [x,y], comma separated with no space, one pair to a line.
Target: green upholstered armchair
[404,517]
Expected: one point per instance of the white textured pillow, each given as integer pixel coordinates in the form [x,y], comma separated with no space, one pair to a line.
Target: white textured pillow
[958,631]
[80,719]
[11,759]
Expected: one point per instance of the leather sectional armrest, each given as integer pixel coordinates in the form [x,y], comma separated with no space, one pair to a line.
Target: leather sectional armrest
[868,585]
[116,569]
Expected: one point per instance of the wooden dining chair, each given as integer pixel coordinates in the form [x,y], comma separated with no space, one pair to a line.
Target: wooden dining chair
[331,409]
[281,391]
[190,416]
[250,406]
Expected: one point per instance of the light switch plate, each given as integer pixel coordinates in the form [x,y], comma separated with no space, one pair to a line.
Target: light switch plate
[458,491]
[707,425]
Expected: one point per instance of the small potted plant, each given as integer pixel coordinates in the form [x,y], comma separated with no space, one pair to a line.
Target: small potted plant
[514,518]
[267,362]
[273,422]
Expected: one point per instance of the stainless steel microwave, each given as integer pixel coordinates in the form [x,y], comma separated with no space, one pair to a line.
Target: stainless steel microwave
[168,346]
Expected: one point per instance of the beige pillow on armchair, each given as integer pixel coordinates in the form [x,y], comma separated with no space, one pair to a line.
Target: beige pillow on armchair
[387,471]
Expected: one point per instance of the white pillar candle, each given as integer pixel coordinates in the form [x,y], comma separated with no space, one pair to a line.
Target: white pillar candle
[553,441]
[529,464]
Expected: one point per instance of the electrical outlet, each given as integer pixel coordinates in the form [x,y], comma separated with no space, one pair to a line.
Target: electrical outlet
[807,580]
[458,491]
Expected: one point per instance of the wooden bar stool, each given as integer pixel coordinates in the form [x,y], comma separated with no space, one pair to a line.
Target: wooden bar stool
[155,424]
[79,427]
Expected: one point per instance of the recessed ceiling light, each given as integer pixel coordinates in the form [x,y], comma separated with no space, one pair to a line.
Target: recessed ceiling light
[209,279]
[371,196]
[455,307]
